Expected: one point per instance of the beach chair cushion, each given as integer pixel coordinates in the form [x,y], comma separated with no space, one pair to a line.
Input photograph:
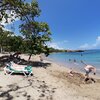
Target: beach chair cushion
[18,69]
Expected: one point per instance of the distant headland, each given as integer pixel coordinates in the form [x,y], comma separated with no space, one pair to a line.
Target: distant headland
[59,50]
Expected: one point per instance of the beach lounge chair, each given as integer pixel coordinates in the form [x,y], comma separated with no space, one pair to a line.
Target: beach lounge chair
[25,70]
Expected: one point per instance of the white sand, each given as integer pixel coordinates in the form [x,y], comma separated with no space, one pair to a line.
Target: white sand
[46,84]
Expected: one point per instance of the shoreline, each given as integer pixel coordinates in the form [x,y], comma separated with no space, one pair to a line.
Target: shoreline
[50,83]
[74,67]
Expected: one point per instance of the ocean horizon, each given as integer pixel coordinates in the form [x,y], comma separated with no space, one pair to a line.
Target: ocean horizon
[74,59]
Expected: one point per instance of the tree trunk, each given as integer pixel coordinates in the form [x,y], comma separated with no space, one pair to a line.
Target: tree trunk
[29,57]
[1,49]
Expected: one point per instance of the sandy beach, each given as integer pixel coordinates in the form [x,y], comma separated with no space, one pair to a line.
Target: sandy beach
[50,81]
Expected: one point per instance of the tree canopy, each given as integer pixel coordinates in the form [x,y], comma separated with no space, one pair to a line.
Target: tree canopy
[35,33]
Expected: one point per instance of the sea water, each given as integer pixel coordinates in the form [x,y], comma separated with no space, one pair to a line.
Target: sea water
[74,59]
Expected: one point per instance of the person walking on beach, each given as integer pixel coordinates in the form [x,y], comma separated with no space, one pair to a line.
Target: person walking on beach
[41,59]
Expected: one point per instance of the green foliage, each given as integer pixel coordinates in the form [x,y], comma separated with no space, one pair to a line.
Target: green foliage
[4,35]
[16,44]
[35,33]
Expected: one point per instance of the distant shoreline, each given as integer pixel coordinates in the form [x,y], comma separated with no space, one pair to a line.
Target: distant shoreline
[57,50]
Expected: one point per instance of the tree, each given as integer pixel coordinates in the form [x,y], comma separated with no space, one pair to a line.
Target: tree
[16,44]
[4,36]
[37,33]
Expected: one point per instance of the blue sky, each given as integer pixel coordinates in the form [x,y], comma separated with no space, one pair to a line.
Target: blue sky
[74,24]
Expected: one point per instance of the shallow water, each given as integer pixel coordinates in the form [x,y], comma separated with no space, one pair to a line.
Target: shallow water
[73,59]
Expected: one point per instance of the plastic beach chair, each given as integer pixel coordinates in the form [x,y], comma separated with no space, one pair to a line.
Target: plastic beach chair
[11,70]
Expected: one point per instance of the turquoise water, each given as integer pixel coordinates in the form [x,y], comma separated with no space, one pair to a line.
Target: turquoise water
[73,59]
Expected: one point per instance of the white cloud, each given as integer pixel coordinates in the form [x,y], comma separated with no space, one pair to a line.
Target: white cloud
[91,46]
[54,45]
[84,46]
[57,45]
[98,38]
[97,43]
[62,42]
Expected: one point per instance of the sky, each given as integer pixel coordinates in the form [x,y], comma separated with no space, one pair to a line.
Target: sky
[74,24]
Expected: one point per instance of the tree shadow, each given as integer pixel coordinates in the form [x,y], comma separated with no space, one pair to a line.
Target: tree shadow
[41,87]
[14,88]
[4,59]
[7,59]
[6,94]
